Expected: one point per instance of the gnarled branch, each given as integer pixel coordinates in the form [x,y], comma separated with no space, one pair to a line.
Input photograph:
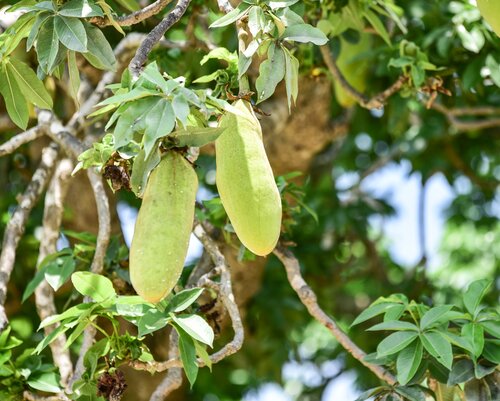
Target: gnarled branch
[135,17]
[310,301]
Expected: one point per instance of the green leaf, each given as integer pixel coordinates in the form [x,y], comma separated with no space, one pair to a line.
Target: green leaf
[271,72]
[134,94]
[153,75]
[201,351]
[141,170]
[377,391]
[45,6]
[438,347]
[231,16]
[461,372]
[411,393]
[71,33]
[492,327]
[57,274]
[394,325]
[377,25]
[372,311]
[17,32]
[291,78]
[132,120]
[80,9]
[33,284]
[152,321]
[77,332]
[71,313]
[74,76]
[40,20]
[95,286]
[408,362]
[188,355]
[395,343]
[100,53]
[492,351]
[305,33]
[51,337]
[474,294]
[434,316]
[32,88]
[181,108]
[196,327]
[474,334]
[16,104]
[99,349]
[47,382]
[194,136]
[160,121]
[47,46]
[184,299]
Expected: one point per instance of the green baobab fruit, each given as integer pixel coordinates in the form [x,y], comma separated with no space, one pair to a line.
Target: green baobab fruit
[163,228]
[245,181]
[352,68]
[490,10]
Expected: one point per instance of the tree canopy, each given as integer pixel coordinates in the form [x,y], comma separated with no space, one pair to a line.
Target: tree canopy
[260,109]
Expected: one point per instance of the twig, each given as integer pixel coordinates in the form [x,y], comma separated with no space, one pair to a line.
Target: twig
[310,301]
[155,35]
[135,17]
[465,126]
[44,295]
[377,101]
[173,379]
[17,141]
[16,225]
[225,291]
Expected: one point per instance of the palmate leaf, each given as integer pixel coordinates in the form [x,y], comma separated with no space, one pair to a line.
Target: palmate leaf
[71,33]
[80,9]
[438,346]
[187,350]
[271,72]
[17,106]
[47,46]
[31,86]
[100,53]
[408,362]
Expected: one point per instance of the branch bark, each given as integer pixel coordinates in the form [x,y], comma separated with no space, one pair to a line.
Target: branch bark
[465,126]
[18,140]
[310,301]
[155,35]
[44,295]
[16,225]
[135,17]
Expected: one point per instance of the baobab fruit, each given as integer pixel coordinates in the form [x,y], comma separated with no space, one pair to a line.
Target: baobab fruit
[246,182]
[163,228]
[490,10]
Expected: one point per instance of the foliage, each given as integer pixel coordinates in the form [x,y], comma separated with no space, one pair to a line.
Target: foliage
[439,341]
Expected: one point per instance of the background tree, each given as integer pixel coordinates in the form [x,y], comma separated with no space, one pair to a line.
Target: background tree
[94,92]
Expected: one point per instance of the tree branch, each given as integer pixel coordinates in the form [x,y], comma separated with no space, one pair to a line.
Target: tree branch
[16,225]
[377,101]
[155,35]
[135,17]
[310,301]
[18,140]
[465,126]
[44,295]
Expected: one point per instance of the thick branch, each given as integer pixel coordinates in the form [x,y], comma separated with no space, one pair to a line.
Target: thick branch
[17,141]
[155,35]
[310,301]
[377,101]
[44,295]
[16,225]
[135,17]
